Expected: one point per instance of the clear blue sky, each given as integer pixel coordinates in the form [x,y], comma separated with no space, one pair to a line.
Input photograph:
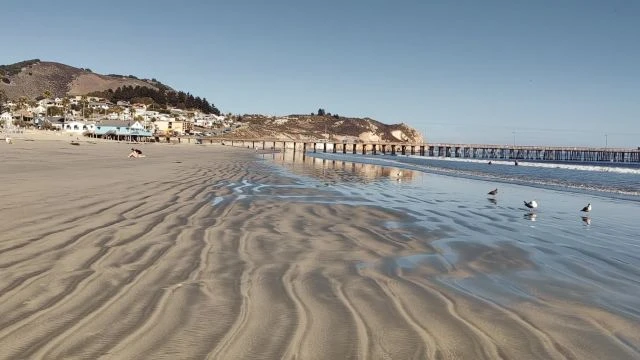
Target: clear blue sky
[550,72]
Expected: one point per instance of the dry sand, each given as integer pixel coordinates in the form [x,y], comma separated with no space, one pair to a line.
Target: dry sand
[182,255]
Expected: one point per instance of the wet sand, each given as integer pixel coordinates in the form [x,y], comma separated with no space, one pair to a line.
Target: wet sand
[208,252]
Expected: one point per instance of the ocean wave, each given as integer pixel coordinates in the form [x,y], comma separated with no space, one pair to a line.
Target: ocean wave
[618,168]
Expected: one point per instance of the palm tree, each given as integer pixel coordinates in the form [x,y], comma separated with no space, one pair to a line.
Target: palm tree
[3,99]
[65,106]
[21,105]
[47,95]
[84,101]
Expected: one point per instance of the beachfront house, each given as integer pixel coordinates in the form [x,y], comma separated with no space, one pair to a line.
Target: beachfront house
[78,127]
[169,125]
[121,130]
[74,127]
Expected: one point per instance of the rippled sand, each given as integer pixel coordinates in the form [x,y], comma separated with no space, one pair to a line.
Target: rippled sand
[202,252]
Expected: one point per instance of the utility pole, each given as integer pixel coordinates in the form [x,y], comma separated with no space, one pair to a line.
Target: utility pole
[606,141]
[514,139]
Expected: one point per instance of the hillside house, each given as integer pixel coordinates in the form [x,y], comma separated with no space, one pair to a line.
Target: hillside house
[6,118]
[39,109]
[99,105]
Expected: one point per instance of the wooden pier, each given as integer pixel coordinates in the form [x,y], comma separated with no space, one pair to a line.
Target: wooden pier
[466,151]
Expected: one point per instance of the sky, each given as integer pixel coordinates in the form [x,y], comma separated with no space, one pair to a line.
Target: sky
[496,72]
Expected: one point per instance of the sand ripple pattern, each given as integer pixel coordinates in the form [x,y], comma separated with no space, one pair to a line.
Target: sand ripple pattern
[207,253]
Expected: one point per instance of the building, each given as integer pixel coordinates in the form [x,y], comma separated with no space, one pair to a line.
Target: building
[6,118]
[78,127]
[169,125]
[120,130]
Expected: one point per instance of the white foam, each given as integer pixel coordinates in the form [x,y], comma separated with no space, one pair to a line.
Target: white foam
[616,169]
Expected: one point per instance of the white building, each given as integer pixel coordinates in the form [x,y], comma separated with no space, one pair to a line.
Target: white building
[6,118]
[76,127]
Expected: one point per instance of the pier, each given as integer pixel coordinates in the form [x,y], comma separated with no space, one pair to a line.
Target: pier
[465,151]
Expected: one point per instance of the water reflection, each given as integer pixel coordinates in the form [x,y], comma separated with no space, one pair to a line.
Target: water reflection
[494,201]
[531,216]
[337,171]
[586,220]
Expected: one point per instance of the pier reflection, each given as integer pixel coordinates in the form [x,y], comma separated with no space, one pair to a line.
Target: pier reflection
[337,171]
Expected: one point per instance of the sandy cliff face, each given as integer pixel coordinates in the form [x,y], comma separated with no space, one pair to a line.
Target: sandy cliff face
[308,127]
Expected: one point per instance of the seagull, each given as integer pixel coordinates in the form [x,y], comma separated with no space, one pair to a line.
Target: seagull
[493,192]
[531,204]
[586,208]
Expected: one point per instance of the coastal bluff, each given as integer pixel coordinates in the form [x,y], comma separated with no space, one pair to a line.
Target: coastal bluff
[323,127]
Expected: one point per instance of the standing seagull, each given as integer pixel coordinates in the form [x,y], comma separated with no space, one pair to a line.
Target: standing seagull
[531,204]
[493,192]
[586,208]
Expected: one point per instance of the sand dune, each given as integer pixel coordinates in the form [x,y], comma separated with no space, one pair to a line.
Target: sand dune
[205,252]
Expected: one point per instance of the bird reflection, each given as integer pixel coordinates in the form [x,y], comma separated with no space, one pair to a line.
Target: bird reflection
[494,201]
[586,220]
[531,216]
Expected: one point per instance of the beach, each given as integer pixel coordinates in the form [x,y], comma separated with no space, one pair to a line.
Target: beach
[214,252]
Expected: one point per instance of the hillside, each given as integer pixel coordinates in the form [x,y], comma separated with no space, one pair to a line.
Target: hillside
[323,127]
[33,77]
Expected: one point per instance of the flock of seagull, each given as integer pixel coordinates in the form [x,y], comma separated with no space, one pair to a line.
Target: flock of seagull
[532,205]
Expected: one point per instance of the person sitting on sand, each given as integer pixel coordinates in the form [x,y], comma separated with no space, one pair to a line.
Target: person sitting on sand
[136,153]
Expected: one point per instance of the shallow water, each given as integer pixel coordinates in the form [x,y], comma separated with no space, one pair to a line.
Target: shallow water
[614,179]
[493,248]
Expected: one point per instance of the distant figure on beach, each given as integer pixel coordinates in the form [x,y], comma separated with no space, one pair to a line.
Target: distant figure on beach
[136,153]
[489,162]
[493,192]
[8,140]
[515,163]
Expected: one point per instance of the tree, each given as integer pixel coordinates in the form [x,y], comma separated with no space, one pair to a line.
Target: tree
[321,112]
[84,101]
[65,108]
[3,100]
[54,111]
[21,104]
